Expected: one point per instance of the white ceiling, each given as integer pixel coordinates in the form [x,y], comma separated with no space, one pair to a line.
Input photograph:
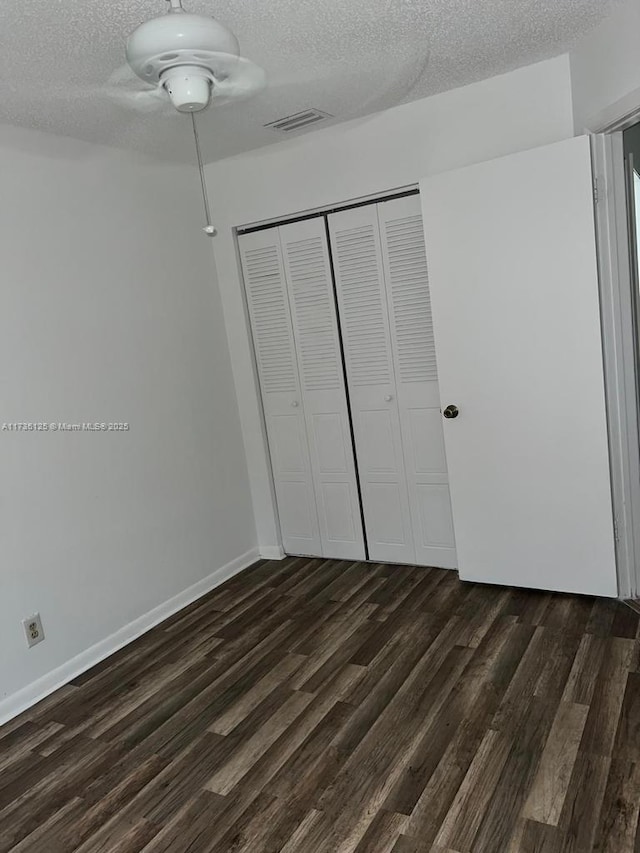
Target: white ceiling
[346,57]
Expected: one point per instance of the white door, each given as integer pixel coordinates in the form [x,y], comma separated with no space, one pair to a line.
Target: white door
[366,336]
[514,289]
[313,310]
[405,267]
[281,394]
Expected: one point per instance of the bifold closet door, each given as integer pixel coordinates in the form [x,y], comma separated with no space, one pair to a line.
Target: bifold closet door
[372,388]
[409,301]
[292,310]
[315,328]
[383,294]
[274,345]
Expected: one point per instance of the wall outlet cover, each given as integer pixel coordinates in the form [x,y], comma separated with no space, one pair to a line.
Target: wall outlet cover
[33,629]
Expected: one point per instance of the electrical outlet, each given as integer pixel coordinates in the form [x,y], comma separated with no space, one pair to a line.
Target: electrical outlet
[33,629]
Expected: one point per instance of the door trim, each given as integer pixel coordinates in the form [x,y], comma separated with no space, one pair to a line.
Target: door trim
[364,201]
[619,355]
[619,339]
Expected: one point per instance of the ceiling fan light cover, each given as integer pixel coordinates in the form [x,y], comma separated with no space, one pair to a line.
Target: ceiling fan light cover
[177,39]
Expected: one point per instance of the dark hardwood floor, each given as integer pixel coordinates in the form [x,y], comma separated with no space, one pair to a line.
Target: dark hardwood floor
[326,707]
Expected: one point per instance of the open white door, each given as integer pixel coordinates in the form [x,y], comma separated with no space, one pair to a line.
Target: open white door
[514,290]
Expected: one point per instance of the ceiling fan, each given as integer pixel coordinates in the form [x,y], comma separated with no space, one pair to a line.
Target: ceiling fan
[190,61]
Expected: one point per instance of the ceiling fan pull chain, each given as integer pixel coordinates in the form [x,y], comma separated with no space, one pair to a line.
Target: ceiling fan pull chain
[209,228]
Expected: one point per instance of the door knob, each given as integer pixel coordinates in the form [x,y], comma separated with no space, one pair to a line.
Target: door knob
[295,404]
[388,398]
[451,412]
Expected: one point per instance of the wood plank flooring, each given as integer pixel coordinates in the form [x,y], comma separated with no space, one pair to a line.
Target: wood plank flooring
[313,706]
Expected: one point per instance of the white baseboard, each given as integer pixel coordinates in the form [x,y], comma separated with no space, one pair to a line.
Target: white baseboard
[272,552]
[42,687]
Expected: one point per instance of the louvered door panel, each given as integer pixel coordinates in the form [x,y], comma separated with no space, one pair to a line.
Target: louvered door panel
[274,345]
[355,243]
[408,297]
[311,297]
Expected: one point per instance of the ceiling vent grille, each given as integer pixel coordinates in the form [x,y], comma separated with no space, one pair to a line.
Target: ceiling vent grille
[297,121]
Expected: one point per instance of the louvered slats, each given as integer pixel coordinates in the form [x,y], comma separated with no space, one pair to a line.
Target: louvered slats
[313,310]
[409,285]
[273,339]
[381,291]
[363,317]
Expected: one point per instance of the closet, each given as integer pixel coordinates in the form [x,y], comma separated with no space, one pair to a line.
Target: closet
[340,315]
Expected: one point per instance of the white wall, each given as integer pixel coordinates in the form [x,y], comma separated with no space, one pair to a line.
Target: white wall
[109,312]
[529,107]
[605,68]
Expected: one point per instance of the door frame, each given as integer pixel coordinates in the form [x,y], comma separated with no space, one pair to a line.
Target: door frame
[620,332]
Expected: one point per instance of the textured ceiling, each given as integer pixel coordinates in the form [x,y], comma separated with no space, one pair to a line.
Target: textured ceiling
[346,57]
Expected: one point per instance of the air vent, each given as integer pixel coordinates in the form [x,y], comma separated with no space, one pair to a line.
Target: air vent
[298,121]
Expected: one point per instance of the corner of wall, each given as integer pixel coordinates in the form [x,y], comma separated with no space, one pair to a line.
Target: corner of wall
[272,552]
[605,70]
[62,675]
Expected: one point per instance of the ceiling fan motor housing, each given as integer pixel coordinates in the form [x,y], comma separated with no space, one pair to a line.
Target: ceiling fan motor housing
[194,58]
[183,52]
